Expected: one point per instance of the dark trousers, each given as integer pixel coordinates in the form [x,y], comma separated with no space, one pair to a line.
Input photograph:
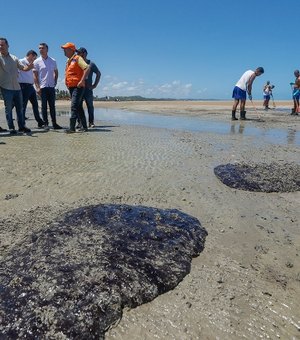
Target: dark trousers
[29,93]
[77,111]
[88,98]
[48,97]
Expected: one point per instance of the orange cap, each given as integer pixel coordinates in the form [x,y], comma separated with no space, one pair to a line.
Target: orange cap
[69,45]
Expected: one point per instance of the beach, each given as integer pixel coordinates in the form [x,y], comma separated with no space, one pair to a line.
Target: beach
[246,282]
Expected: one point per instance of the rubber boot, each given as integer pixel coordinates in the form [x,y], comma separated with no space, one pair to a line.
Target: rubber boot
[293,112]
[72,126]
[243,115]
[233,117]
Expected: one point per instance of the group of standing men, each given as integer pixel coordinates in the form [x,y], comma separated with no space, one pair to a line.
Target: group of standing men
[21,81]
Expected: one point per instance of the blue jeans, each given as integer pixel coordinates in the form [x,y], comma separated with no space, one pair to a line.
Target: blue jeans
[29,93]
[13,98]
[77,111]
[48,97]
[88,98]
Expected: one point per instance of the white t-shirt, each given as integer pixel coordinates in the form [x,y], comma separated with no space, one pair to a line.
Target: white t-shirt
[242,83]
[45,69]
[25,76]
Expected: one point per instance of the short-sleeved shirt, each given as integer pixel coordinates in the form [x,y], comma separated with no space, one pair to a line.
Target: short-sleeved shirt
[243,81]
[9,66]
[45,69]
[93,69]
[25,76]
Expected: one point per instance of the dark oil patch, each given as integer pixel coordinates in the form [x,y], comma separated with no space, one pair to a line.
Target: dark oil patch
[263,177]
[73,278]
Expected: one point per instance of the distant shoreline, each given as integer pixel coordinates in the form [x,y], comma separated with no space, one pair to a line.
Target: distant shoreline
[173,106]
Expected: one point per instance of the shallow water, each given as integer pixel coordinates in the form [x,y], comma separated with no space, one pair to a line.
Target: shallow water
[276,136]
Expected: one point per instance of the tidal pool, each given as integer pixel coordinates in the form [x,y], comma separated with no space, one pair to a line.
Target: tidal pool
[276,136]
[198,124]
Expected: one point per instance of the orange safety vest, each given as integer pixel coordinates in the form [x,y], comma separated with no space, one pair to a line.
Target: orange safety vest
[73,72]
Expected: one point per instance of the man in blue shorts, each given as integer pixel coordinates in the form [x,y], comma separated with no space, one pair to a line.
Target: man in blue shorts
[296,93]
[242,87]
[267,93]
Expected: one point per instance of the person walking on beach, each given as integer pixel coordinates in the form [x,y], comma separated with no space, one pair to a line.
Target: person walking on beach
[45,78]
[296,93]
[10,87]
[241,89]
[88,95]
[267,92]
[26,82]
[77,70]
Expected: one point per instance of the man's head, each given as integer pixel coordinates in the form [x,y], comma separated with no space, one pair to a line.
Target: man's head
[31,55]
[43,48]
[82,52]
[4,46]
[69,49]
[297,73]
[259,71]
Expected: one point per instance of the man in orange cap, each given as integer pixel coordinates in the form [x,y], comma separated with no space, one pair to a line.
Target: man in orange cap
[76,72]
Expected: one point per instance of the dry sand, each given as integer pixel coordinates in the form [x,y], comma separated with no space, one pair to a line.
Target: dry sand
[245,284]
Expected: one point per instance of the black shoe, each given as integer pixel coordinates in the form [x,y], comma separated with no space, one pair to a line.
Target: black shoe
[57,127]
[2,130]
[70,131]
[13,132]
[25,130]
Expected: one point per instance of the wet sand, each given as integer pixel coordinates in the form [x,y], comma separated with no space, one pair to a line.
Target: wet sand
[246,282]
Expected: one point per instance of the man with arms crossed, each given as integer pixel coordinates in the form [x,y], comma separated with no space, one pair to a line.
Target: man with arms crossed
[77,70]
[89,86]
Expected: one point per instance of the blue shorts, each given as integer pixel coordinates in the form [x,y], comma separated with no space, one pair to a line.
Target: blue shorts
[296,94]
[239,93]
[267,96]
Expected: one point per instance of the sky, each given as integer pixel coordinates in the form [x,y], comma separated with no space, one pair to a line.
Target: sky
[189,49]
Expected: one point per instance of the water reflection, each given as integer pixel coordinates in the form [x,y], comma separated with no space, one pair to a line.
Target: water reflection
[237,128]
[277,136]
[291,136]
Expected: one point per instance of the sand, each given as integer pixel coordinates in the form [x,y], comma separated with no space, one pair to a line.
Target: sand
[246,282]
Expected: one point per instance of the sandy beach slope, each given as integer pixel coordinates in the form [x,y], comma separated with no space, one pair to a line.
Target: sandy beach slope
[245,284]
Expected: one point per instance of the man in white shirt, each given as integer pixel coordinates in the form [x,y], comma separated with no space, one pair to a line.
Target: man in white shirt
[45,78]
[241,89]
[26,82]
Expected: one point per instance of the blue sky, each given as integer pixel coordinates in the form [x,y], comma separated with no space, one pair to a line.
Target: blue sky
[165,48]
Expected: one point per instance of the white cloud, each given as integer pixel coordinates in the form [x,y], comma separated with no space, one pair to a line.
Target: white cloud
[111,86]
[119,85]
